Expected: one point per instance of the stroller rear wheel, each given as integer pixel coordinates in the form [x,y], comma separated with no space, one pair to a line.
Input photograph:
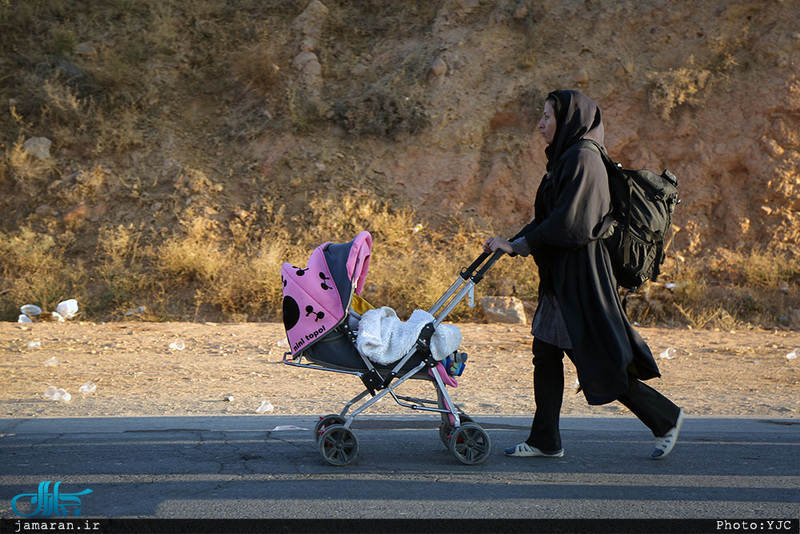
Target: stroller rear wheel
[470,444]
[338,445]
[325,422]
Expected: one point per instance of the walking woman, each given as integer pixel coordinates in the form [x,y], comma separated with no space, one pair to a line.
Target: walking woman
[579,311]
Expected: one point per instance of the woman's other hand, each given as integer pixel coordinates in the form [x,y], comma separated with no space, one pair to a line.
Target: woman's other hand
[494,243]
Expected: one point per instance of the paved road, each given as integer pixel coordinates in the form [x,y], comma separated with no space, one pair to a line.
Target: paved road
[269,467]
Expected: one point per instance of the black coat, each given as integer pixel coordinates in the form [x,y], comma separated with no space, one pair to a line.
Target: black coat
[573,207]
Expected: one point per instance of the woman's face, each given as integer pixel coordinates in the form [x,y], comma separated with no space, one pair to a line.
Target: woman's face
[547,126]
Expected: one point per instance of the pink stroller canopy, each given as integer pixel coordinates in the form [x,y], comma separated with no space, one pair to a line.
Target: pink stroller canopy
[316,299]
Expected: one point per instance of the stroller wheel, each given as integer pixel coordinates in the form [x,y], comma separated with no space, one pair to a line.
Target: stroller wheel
[470,444]
[325,422]
[338,445]
[445,430]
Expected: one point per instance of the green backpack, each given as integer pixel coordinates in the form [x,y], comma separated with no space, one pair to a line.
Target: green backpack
[643,203]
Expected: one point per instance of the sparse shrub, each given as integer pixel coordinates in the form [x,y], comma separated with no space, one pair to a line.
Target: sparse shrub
[727,290]
[768,270]
[5,8]
[256,65]
[62,41]
[382,113]
[121,73]
[119,133]
[30,173]
[35,270]
[251,286]
[91,181]
[164,35]
[239,281]
[676,87]
[4,175]
[394,104]
[304,109]
[62,104]
[123,267]
[198,256]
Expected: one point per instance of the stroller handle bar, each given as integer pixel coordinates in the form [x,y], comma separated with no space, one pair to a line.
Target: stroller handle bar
[469,278]
[469,272]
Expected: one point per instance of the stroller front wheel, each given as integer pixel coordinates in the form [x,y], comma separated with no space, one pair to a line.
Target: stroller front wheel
[338,445]
[446,429]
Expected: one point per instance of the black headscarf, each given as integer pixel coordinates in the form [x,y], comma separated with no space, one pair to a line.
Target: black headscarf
[577,117]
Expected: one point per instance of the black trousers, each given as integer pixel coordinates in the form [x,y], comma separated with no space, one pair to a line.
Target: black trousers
[652,408]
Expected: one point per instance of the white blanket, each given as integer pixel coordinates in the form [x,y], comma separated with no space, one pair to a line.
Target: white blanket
[384,338]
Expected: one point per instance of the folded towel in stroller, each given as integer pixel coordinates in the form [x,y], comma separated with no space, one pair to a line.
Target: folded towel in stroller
[384,338]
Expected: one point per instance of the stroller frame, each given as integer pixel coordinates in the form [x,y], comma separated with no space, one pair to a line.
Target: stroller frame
[465,439]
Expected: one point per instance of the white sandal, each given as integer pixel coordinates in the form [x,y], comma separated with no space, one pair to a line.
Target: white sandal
[665,443]
[523,449]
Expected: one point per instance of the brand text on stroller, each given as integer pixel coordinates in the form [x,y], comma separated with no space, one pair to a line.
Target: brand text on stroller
[308,337]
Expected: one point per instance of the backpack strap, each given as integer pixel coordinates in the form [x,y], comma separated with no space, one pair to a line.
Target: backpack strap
[613,166]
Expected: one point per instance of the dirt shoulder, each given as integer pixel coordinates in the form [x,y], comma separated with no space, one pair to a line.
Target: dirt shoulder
[137,373]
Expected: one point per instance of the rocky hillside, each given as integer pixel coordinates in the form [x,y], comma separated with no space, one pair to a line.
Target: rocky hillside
[152,113]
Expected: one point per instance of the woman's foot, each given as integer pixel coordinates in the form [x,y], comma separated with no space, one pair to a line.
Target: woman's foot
[523,449]
[665,443]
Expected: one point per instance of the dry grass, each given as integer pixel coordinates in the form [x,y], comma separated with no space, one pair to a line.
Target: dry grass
[212,272]
[726,290]
[122,267]
[35,270]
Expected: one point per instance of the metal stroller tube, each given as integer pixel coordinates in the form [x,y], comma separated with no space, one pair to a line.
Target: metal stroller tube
[467,280]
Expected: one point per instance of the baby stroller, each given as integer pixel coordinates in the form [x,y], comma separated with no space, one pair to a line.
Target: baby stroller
[321,309]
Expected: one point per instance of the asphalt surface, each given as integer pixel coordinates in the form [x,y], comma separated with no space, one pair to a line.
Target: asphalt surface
[268,466]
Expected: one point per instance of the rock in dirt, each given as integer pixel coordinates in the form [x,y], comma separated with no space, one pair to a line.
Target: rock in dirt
[504,310]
